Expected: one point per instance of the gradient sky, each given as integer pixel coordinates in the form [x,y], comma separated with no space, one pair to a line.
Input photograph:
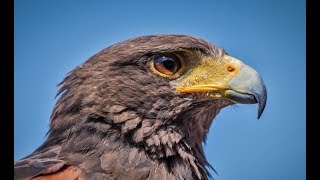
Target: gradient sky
[53,37]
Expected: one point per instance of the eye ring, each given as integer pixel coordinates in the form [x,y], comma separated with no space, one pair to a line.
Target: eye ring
[167,65]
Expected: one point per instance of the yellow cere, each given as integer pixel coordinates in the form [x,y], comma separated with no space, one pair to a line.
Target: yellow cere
[209,75]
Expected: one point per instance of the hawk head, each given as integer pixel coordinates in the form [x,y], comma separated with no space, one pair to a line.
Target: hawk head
[153,95]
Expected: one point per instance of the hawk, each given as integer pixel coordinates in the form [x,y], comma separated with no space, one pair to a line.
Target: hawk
[141,109]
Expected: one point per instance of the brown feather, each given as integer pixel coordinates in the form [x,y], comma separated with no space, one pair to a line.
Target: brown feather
[70,173]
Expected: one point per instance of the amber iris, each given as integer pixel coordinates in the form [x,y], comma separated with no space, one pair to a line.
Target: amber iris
[167,65]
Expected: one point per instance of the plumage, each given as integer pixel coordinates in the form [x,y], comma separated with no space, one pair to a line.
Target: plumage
[141,109]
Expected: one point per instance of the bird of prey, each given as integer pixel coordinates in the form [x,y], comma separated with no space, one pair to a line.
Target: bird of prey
[141,109]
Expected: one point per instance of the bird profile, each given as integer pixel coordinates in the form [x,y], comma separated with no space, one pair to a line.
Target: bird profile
[141,109]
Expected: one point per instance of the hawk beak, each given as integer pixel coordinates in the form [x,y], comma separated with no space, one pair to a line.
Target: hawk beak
[226,78]
[248,88]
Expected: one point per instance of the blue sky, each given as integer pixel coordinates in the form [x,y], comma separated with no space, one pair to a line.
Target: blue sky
[53,37]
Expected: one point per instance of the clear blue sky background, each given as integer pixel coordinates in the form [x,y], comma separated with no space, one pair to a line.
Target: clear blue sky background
[52,37]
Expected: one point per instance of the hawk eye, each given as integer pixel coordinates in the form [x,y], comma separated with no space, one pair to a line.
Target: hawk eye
[167,65]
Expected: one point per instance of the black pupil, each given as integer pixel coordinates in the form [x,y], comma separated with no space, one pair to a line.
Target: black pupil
[168,63]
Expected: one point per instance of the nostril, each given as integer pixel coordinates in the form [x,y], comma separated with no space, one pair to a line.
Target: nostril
[231,68]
